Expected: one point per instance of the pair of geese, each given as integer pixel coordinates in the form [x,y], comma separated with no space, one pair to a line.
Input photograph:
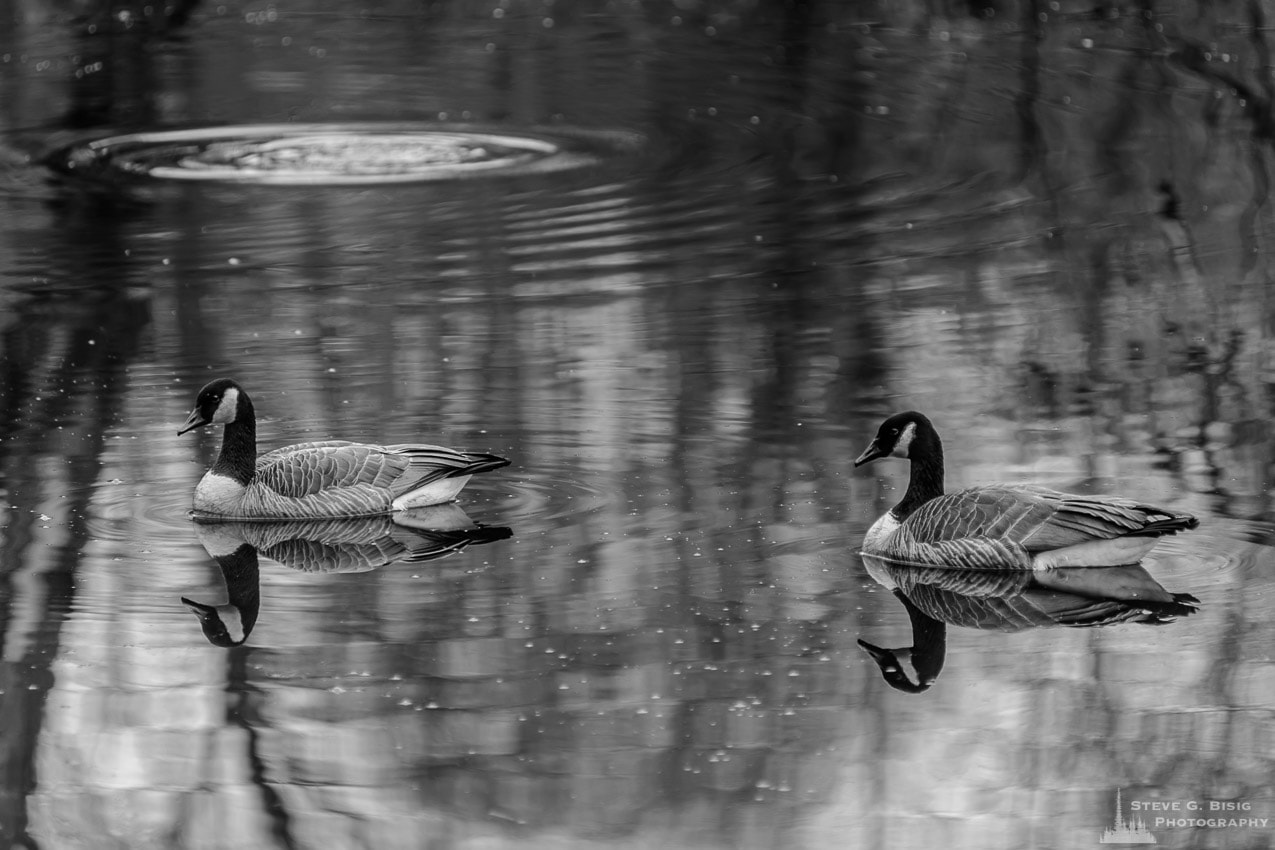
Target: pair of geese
[994,527]
[998,527]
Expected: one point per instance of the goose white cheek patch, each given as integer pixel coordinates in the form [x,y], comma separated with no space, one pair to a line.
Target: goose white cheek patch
[905,440]
[228,408]
[232,619]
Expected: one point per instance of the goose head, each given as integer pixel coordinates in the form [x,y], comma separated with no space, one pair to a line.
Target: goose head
[219,402]
[899,668]
[223,625]
[910,435]
[913,669]
[907,435]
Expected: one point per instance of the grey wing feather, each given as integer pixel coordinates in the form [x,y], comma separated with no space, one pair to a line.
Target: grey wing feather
[307,469]
[979,528]
[338,478]
[1008,513]
[446,462]
[1038,518]
[1005,525]
[970,553]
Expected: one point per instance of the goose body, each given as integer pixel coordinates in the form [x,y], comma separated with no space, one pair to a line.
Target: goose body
[1002,526]
[318,480]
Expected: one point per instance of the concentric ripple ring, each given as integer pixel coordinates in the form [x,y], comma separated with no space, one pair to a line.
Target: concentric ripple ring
[343,154]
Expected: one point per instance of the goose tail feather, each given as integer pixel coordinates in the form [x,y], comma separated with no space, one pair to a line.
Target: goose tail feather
[479,463]
[1166,523]
[1182,605]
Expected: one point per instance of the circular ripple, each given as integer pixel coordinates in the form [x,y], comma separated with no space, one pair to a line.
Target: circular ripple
[548,499]
[146,514]
[344,154]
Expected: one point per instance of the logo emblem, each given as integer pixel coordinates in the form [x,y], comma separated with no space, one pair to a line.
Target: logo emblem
[1132,831]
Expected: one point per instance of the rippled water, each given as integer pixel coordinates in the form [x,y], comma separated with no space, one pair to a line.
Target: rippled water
[1049,232]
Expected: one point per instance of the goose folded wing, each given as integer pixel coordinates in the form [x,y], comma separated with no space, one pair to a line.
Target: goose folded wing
[309,470]
[430,463]
[1077,519]
[1036,518]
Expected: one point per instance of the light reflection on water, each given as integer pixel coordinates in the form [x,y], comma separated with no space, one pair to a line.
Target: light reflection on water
[681,355]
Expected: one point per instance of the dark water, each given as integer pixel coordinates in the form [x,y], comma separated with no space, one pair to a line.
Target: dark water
[1047,225]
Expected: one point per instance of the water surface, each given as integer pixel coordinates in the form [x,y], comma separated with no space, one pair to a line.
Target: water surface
[1050,233]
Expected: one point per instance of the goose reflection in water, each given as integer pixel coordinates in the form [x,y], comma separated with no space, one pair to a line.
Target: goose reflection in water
[1010,601]
[323,546]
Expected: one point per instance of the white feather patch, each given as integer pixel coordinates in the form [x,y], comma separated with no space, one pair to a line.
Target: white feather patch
[218,494]
[1116,551]
[435,493]
[232,618]
[905,440]
[228,408]
[881,529]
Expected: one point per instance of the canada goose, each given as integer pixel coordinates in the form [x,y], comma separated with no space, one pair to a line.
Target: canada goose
[331,479]
[322,546]
[1002,526]
[1009,601]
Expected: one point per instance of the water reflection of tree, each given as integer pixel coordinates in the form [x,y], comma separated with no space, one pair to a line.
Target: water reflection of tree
[66,348]
[684,367]
[1128,318]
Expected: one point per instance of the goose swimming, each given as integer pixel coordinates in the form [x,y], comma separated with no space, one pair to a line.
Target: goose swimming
[318,480]
[1002,526]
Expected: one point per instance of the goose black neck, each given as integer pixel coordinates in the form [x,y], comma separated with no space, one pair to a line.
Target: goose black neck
[238,458]
[926,479]
[242,573]
[929,644]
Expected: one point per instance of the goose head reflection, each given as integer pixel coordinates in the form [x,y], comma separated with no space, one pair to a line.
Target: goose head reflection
[322,546]
[1078,597]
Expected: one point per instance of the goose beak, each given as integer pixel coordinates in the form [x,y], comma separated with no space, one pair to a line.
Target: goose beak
[215,629]
[199,609]
[193,421]
[872,452]
[880,655]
